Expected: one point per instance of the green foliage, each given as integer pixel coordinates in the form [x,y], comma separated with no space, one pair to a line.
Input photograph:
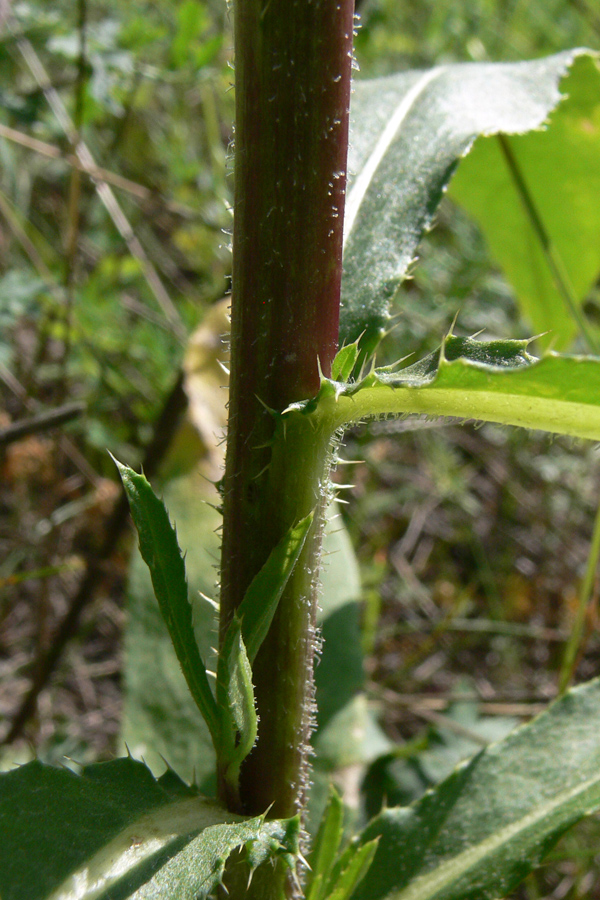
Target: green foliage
[408,134]
[231,716]
[235,693]
[407,771]
[161,553]
[116,831]
[115,794]
[325,846]
[332,875]
[418,33]
[260,601]
[235,702]
[345,361]
[197,870]
[98,309]
[480,832]
[493,381]
[165,724]
[561,173]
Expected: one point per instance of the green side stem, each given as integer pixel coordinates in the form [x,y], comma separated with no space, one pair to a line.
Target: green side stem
[551,255]
[293,64]
[575,643]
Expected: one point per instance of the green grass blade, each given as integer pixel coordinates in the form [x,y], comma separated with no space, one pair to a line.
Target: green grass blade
[161,553]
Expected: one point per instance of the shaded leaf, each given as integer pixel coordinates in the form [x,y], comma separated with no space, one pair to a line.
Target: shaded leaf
[116,832]
[404,773]
[160,719]
[63,820]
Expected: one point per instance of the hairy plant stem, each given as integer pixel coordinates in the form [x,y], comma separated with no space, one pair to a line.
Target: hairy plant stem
[293,64]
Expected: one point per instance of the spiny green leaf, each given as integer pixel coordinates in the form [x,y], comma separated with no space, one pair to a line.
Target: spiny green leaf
[279,838]
[478,833]
[167,724]
[344,362]
[408,133]
[490,381]
[115,830]
[68,822]
[260,601]
[197,870]
[235,692]
[326,845]
[161,553]
[235,701]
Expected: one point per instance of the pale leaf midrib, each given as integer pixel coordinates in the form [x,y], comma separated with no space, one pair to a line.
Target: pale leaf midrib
[521,410]
[361,185]
[426,887]
[136,842]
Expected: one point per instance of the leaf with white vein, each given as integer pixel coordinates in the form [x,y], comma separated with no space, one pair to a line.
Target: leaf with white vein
[116,831]
[408,133]
[476,835]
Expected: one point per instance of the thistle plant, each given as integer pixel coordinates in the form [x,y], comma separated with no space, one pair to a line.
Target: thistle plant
[321,244]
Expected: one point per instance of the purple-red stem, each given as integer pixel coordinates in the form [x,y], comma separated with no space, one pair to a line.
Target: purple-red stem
[292,65]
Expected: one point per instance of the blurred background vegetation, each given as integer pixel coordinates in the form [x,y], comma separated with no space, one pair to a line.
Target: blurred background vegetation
[115,193]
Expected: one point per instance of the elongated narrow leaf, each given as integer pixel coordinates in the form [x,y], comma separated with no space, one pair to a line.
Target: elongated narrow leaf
[260,601]
[476,835]
[161,553]
[354,864]
[166,723]
[334,876]
[560,172]
[491,381]
[116,831]
[325,847]
[408,133]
